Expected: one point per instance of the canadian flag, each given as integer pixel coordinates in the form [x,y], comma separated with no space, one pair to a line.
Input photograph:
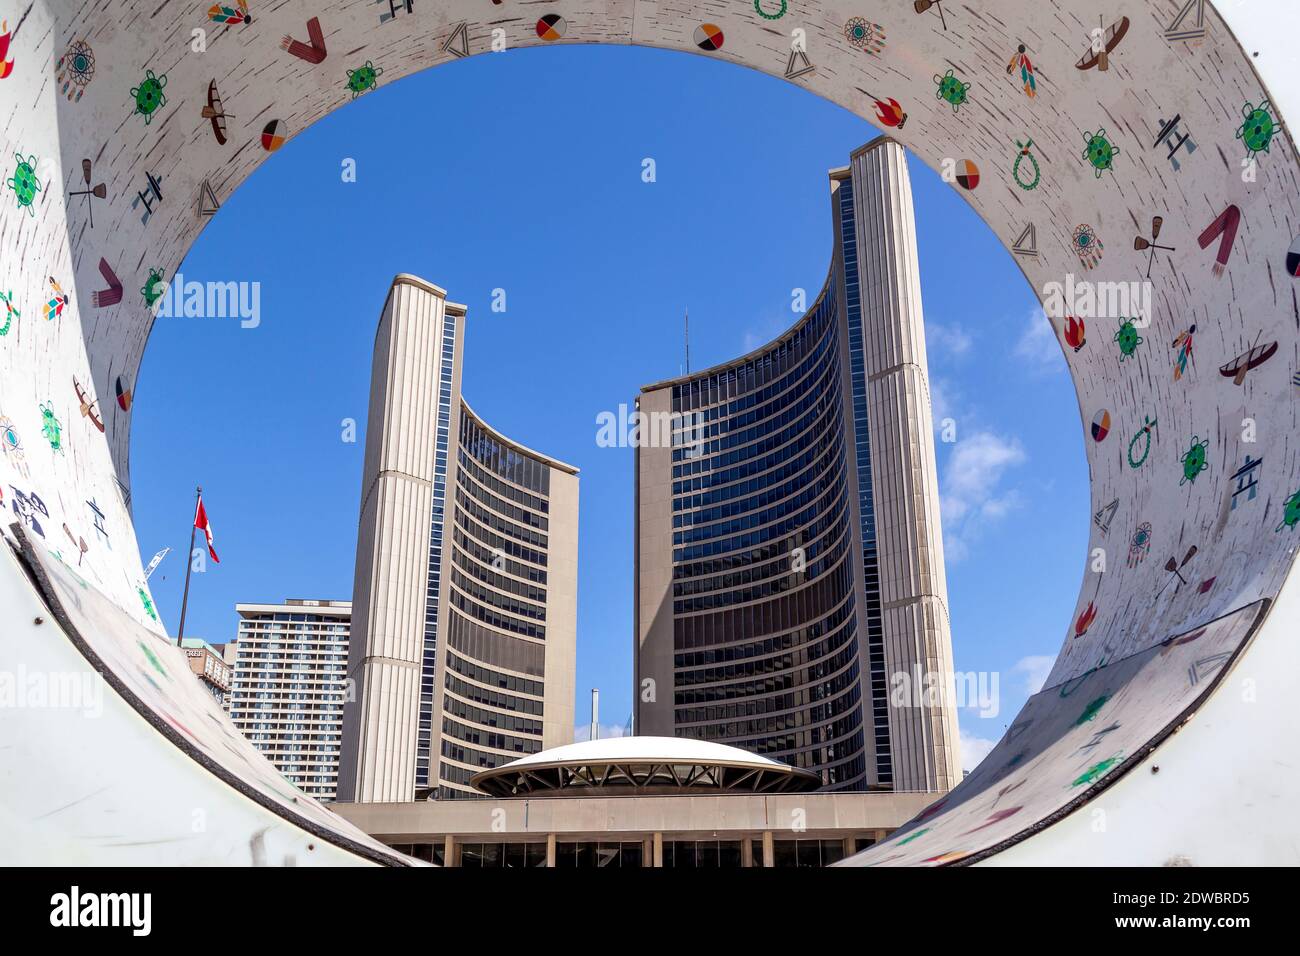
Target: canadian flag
[201,522]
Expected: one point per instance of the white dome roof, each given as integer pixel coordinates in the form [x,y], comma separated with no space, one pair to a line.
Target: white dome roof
[645,750]
[643,765]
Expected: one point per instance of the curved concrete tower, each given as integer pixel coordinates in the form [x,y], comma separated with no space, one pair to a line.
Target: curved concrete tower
[790,587]
[464,631]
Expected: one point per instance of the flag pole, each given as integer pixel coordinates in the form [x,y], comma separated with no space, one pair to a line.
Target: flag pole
[189,566]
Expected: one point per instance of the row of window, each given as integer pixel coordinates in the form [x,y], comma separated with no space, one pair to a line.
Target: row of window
[507,462]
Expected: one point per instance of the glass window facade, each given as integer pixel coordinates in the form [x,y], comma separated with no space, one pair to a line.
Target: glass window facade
[494,680]
[765,615]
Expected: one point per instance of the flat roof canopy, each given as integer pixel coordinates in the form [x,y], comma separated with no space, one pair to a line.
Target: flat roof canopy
[642,765]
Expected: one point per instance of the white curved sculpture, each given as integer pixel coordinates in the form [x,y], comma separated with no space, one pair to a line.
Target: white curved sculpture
[1064,132]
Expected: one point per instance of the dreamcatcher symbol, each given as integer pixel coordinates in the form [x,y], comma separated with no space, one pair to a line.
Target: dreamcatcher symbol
[1086,245]
[1140,546]
[758,8]
[1033,183]
[865,35]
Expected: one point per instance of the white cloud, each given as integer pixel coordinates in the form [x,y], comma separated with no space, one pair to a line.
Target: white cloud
[943,395]
[974,749]
[583,731]
[949,339]
[971,495]
[1038,350]
[1036,667]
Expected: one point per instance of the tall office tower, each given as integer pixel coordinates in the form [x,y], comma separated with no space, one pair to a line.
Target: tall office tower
[289,684]
[790,590]
[466,575]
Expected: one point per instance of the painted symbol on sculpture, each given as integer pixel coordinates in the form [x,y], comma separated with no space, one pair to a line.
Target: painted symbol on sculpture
[1091,710]
[6,61]
[1257,128]
[100,530]
[364,78]
[13,446]
[950,89]
[1074,332]
[1102,44]
[767,15]
[1020,61]
[1025,181]
[708,37]
[1097,771]
[88,405]
[149,96]
[1185,356]
[394,8]
[1197,671]
[1098,151]
[1175,567]
[968,174]
[75,70]
[314,50]
[1100,426]
[77,542]
[1247,483]
[1195,459]
[1143,244]
[1169,132]
[912,836]
[1084,620]
[91,194]
[457,43]
[154,288]
[274,134]
[208,204]
[11,312]
[27,507]
[1140,544]
[24,182]
[1105,516]
[993,818]
[1290,512]
[123,394]
[1095,741]
[1087,246]
[57,302]
[230,15]
[146,197]
[1224,228]
[113,294]
[864,35]
[1127,338]
[798,63]
[51,427]
[553,26]
[216,114]
[1256,356]
[1176,31]
[1142,436]
[148,608]
[1027,243]
[888,111]
[920,6]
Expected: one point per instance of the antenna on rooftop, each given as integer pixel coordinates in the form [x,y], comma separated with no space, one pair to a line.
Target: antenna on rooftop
[688,341]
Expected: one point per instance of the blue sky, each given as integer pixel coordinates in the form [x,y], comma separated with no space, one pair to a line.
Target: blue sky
[522,171]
